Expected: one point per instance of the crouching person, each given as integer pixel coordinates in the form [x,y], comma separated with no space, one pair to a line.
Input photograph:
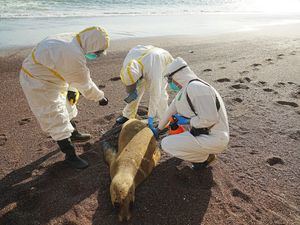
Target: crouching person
[200,108]
[143,71]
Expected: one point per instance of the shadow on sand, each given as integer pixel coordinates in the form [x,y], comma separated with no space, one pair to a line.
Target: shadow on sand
[168,196]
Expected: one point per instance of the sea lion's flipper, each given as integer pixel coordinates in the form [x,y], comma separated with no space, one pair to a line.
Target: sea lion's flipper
[109,152]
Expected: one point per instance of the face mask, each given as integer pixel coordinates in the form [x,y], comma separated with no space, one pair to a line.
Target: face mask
[174,87]
[91,56]
[131,97]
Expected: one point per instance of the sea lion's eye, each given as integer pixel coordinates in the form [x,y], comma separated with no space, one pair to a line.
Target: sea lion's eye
[117,205]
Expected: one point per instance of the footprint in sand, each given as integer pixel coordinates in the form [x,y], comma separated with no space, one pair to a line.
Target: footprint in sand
[256,66]
[274,160]
[243,80]
[244,72]
[293,53]
[279,84]
[262,82]
[280,56]
[239,100]
[268,90]
[101,86]
[115,78]
[238,193]
[239,86]
[269,61]
[3,139]
[222,80]
[222,67]
[247,79]
[24,121]
[207,70]
[293,104]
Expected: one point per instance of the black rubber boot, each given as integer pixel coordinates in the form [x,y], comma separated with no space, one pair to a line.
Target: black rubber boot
[205,164]
[121,120]
[71,158]
[77,136]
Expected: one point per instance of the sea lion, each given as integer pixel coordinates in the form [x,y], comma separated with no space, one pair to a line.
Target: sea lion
[137,155]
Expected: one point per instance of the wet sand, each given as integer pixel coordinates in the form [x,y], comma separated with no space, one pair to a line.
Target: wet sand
[255,181]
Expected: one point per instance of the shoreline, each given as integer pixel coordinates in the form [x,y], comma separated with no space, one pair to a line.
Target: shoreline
[257,75]
[31,30]
[275,31]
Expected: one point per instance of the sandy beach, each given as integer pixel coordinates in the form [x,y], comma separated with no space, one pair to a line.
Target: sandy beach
[255,181]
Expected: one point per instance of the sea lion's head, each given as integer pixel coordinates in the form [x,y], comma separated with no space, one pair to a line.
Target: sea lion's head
[122,191]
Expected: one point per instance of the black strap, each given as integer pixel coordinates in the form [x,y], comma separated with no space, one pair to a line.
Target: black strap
[190,102]
[170,75]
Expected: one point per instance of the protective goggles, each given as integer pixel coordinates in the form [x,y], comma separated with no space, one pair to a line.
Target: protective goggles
[169,76]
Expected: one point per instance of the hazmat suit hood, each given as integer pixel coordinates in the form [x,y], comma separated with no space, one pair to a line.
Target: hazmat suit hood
[183,76]
[93,39]
[132,73]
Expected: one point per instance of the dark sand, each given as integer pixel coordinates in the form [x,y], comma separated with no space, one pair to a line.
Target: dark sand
[255,181]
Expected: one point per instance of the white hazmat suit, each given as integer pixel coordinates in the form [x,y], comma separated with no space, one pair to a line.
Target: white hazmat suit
[54,66]
[146,65]
[203,98]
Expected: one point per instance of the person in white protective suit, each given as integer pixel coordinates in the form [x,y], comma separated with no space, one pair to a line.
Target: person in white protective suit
[143,70]
[200,109]
[53,75]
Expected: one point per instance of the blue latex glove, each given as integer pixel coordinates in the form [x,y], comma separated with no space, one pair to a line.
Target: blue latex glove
[150,123]
[182,120]
[151,126]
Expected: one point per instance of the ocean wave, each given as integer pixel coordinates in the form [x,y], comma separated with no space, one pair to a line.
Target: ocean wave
[102,14]
[94,8]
